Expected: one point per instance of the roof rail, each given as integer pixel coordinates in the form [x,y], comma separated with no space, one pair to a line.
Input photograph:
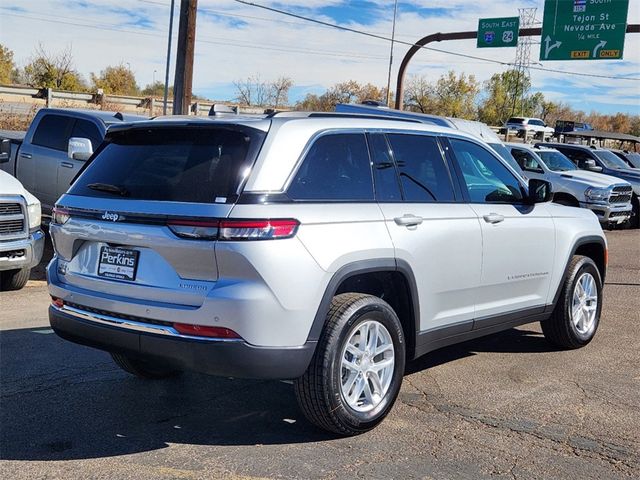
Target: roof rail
[366,116]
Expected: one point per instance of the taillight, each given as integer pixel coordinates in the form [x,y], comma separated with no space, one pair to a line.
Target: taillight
[60,216]
[257,229]
[234,229]
[194,229]
[205,331]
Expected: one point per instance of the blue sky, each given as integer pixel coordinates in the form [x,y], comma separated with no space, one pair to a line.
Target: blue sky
[235,41]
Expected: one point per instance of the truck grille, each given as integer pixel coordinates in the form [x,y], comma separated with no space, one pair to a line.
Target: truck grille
[10,209]
[620,194]
[12,220]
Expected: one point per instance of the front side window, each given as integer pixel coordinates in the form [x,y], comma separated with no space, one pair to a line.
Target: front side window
[53,132]
[526,160]
[486,178]
[336,168]
[86,129]
[423,173]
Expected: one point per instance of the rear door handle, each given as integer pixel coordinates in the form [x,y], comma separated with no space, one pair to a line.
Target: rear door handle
[66,164]
[25,155]
[408,220]
[493,218]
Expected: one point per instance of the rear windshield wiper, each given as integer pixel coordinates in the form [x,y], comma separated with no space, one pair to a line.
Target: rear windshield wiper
[109,188]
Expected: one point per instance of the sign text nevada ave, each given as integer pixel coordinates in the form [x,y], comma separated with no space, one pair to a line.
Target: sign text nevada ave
[583,29]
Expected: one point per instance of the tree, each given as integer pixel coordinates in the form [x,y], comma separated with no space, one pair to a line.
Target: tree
[500,96]
[280,91]
[344,92]
[7,67]
[156,90]
[48,70]
[116,80]
[252,92]
[450,96]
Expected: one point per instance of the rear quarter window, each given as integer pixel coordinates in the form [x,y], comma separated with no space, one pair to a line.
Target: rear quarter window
[184,164]
[335,168]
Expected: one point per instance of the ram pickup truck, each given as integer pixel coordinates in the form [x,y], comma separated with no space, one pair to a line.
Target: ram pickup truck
[21,240]
[600,160]
[608,197]
[39,159]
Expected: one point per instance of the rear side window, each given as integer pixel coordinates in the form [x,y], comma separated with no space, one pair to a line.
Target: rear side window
[337,168]
[53,132]
[86,129]
[423,173]
[384,170]
[184,164]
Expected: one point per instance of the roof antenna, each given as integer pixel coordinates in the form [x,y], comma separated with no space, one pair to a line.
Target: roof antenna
[119,116]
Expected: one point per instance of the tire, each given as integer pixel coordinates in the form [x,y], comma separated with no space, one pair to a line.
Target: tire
[320,391]
[14,279]
[634,221]
[560,329]
[143,368]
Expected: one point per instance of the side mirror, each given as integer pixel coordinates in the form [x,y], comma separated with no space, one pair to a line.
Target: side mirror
[539,191]
[591,166]
[79,148]
[5,150]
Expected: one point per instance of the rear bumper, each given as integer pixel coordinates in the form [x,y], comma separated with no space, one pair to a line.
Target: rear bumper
[233,358]
[24,253]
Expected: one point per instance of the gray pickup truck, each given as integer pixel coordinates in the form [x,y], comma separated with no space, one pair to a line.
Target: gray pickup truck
[39,158]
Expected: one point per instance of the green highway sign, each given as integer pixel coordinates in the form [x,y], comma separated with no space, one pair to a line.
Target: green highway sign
[498,32]
[583,29]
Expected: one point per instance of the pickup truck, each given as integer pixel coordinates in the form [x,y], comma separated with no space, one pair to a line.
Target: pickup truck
[21,240]
[608,197]
[600,160]
[39,159]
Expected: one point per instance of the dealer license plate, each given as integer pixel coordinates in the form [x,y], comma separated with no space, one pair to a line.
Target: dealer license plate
[119,263]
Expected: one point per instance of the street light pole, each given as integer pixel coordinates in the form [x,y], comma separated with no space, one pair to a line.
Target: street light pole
[393,37]
[166,75]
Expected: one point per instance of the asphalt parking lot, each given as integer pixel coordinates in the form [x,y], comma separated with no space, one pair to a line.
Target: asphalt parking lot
[504,406]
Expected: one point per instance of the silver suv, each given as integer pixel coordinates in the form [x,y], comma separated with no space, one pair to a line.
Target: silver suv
[325,248]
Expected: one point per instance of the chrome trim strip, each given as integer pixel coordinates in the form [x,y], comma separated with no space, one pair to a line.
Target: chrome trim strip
[136,326]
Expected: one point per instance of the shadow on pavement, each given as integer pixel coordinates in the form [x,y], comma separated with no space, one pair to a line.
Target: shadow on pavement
[61,401]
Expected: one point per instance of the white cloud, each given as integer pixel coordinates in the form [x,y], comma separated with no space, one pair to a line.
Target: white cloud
[230,48]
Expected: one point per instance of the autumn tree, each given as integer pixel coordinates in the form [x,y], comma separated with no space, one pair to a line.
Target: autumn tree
[279,91]
[451,95]
[53,70]
[116,80]
[7,67]
[344,92]
[255,92]
[156,90]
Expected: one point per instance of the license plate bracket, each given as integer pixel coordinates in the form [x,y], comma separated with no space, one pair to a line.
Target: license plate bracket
[118,263]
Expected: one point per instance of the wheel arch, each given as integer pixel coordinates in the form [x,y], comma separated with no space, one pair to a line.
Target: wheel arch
[388,278]
[591,246]
[559,196]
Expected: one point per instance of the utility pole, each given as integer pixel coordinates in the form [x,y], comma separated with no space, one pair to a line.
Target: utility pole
[184,61]
[393,37]
[166,74]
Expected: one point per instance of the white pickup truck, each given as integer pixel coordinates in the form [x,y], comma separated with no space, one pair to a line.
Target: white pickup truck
[39,157]
[21,240]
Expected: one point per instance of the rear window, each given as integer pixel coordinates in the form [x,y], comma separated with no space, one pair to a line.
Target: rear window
[187,164]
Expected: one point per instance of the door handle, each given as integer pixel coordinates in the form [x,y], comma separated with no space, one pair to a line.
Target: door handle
[25,155]
[408,220]
[66,164]
[493,218]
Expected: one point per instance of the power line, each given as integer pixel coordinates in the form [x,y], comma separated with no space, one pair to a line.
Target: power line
[381,37]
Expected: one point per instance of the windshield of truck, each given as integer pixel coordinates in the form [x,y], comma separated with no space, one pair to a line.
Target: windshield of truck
[177,164]
[515,120]
[634,158]
[611,160]
[556,161]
